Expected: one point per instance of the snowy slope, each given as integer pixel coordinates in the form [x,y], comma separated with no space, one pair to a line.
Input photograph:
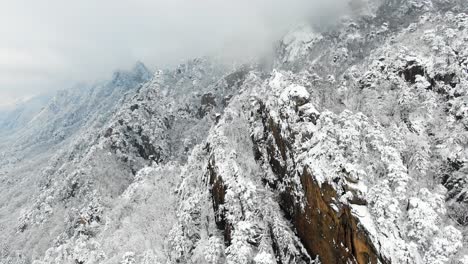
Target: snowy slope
[28,146]
[22,113]
[66,114]
[373,120]
[352,150]
[159,122]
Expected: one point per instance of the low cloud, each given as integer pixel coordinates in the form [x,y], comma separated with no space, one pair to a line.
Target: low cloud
[49,45]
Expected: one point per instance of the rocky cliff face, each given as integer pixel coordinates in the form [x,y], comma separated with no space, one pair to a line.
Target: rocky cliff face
[352,150]
[340,152]
[326,226]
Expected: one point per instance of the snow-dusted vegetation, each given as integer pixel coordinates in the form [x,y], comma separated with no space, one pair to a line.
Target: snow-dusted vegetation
[351,147]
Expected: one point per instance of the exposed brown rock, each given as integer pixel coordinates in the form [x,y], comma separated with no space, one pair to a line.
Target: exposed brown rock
[218,192]
[335,236]
[325,226]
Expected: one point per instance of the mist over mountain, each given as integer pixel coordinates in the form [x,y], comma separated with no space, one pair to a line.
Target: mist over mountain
[292,132]
[50,47]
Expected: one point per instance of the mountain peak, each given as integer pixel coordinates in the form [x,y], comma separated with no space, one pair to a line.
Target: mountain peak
[350,147]
[140,68]
[139,73]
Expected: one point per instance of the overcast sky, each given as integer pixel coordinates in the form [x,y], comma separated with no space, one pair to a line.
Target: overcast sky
[48,45]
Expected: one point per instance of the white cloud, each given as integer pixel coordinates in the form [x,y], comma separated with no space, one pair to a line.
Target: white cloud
[46,44]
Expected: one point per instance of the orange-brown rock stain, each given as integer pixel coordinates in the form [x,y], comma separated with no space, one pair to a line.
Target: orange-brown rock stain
[333,235]
[325,226]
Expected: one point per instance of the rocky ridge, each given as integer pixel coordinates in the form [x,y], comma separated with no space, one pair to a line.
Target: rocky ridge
[353,150]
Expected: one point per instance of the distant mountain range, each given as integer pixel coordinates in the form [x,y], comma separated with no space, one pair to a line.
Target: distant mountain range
[351,146]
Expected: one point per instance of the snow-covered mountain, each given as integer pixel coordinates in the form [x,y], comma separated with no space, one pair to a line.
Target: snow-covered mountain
[22,113]
[351,147]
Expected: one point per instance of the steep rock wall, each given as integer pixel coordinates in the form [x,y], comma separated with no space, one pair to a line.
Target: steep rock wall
[326,227]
